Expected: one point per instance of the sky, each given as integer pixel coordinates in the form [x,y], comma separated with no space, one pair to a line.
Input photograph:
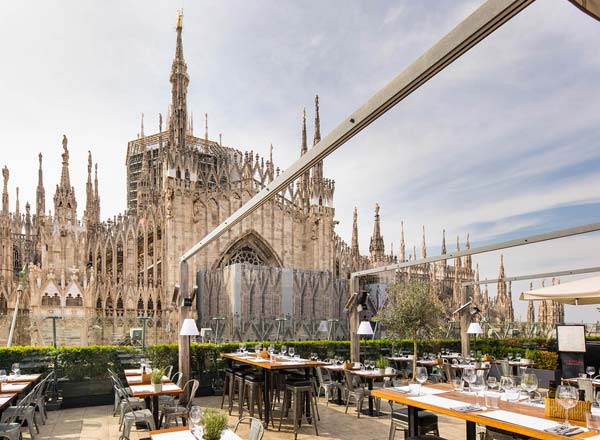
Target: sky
[501,144]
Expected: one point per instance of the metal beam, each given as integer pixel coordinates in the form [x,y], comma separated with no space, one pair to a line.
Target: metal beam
[534,276]
[481,23]
[584,229]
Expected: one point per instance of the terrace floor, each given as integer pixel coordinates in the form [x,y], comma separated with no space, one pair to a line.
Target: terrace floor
[98,423]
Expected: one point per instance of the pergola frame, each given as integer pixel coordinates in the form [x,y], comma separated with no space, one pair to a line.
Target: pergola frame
[473,29]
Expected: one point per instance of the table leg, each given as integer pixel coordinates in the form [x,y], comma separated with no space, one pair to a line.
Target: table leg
[471,430]
[155,410]
[267,396]
[370,387]
[307,402]
[413,421]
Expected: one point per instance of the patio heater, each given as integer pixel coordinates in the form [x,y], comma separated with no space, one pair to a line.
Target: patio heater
[217,320]
[475,329]
[364,329]
[280,327]
[189,329]
[323,327]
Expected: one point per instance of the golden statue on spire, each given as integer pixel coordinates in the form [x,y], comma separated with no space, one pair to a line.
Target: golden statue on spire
[179,18]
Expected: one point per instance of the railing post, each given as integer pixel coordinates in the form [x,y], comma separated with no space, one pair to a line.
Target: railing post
[353,323]
[184,346]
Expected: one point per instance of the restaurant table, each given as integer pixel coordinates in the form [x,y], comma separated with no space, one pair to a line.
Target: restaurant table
[147,392]
[280,363]
[137,380]
[6,399]
[370,376]
[23,377]
[183,433]
[463,366]
[518,418]
[15,387]
[515,365]
[133,372]
[573,381]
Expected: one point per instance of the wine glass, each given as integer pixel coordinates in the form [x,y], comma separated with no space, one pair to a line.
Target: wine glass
[591,371]
[283,350]
[506,382]
[510,357]
[567,397]
[529,383]
[195,416]
[271,349]
[291,351]
[15,369]
[257,349]
[478,385]
[468,375]
[492,382]
[421,376]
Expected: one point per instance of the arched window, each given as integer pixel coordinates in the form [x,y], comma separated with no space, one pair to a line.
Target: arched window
[55,300]
[187,174]
[120,308]
[46,300]
[150,307]
[245,255]
[3,305]
[140,307]
[252,249]
[178,173]
[17,262]
[109,306]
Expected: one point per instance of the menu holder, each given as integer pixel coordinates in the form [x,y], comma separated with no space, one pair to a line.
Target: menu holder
[146,378]
[553,409]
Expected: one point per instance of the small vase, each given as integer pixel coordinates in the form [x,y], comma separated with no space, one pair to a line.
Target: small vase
[157,387]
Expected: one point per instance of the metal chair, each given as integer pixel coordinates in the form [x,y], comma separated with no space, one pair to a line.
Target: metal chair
[257,430]
[428,422]
[126,403]
[169,371]
[133,417]
[357,392]
[23,411]
[182,408]
[326,384]
[169,400]
[39,399]
[10,428]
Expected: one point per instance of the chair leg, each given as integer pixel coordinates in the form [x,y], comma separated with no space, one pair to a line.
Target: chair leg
[347,402]
[392,433]
[315,410]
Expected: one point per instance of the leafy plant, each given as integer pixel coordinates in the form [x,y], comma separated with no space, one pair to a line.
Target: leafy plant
[157,374]
[530,354]
[214,422]
[381,362]
[412,310]
[546,360]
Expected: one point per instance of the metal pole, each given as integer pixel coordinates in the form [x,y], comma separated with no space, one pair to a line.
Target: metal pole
[14,319]
[534,276]
[144,319]
[54,338]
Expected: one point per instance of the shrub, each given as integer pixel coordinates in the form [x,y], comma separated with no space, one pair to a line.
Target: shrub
[546,360]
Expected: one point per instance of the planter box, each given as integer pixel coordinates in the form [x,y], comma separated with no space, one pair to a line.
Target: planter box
[91,392]
[544,376]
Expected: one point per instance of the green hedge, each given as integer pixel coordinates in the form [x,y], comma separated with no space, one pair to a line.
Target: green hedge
[77,363]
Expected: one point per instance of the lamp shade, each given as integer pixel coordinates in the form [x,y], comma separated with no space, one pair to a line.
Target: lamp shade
[323,326]
[365,328]
[189,328]
[474,329]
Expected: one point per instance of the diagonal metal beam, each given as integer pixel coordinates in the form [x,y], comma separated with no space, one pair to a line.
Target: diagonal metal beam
[535,276]
[584,229]
[481,23]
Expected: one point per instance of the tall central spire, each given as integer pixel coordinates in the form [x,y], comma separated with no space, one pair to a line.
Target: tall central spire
[40,193]
[179,82]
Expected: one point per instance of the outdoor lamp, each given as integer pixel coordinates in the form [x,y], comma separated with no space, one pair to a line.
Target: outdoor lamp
[364,329]
[323,327]
[475,329]
[189,329]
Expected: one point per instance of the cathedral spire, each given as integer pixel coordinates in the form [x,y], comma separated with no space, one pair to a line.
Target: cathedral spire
[89,190]
[96,194]
[354,249]
[5,208]
[65,204]
[468,260]
[423,245]
[40,205]
[443,242]
[318,169]
[377,246]
[179,82]
[303,147]
[206,129]
[65,181]
[402,243]
[457,260]
[17,206]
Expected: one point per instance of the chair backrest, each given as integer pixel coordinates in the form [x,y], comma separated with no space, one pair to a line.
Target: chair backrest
[349,380]
[189,392]
[169,371]
[323,376]
[177,378]
[588,387]
[256,431]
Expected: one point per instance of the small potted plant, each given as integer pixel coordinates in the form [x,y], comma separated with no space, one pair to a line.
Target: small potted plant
[381,363]
[157,375]
[529,357]
[215,422]
[477,358]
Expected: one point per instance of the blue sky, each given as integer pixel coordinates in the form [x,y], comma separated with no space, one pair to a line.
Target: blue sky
[502,143]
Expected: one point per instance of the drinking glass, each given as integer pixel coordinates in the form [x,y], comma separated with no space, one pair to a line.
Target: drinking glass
[195,416]
[506,382]
[257,349]
[478,385]
[421,376]
[529,383]
[510,357]
[567,397]
[468,375]
[457,384]
[15,369]
[492,383]
[3,377]
[271,349]
[591,371]
[291,351]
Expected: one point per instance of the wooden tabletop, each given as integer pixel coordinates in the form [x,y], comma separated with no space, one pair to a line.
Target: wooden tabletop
[23,377]
[228,434]
[133,371]
[137,380]
[463,366]
[6,399]
[373,374]
[14,387]
[478,417]
[573,380]
[279,364]
[148,390]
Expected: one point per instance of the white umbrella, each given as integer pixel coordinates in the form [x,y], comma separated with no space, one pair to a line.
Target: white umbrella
[579,292]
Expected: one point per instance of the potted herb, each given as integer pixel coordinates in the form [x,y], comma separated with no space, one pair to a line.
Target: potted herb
[214,422]
[381,363]
[477,359]
[157,375]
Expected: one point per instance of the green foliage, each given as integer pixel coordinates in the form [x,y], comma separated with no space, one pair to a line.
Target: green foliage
[91,362]
[214,422]
[381,362]
[530,354]
[157,374]
[546,360]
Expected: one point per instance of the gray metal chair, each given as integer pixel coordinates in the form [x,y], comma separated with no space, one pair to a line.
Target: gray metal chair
[39,399]
[257,430]
[169,400]
[23,411]
[132,417]
[326,384]
[182,408]
[10,428]
[356,391]
[126,403]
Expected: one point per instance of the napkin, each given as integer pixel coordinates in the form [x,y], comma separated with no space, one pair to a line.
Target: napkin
[439,401]
[521,419]
[424,390]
